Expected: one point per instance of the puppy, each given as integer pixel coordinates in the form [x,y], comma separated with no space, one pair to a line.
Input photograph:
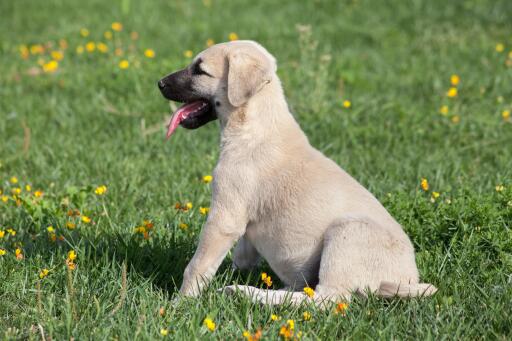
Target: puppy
[277,197]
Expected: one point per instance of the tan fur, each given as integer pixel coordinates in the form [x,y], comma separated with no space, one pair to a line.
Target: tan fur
[283,200]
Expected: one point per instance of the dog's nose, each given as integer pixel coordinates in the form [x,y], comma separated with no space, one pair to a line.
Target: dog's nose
[161,84]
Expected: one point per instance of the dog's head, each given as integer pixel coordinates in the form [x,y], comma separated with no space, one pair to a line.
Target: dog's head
[219,80]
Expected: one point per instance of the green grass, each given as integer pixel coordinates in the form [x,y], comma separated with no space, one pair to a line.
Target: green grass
[82,126]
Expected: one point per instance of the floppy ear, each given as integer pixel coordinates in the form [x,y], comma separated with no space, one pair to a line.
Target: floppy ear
[246,76]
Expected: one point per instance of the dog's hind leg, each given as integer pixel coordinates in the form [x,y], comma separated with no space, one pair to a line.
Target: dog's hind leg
[245,256]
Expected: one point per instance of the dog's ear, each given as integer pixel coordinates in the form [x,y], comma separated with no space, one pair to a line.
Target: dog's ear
[248,73]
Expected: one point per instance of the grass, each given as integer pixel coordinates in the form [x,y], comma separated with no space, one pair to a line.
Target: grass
[91,123]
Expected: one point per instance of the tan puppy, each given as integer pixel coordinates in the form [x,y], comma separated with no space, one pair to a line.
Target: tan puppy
[279,197]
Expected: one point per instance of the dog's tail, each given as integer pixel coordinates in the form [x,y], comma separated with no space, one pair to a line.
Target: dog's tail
[390,289]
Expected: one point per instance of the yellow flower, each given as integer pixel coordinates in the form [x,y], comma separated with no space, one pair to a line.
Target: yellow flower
[164,332]
[188,205]
[456,119]
[188,53]
[291,324]
[86,219]
[28,188]
[250,337]
[309,291]
[79,49]
[266,279]
[44,273]
[57,55]
[124,64]
[347,104]
[84,32]
[13,180]
[102,47]
[454,79]
[16,191]
[38,194]
[435,195]
[117,26]
[500,47]
[100,190]
[306,316]
[209,324]
[452,92]
[210,42]
[424,184]
[275,317]
[444,110]
[149,53]
[2,252]
[204,210]
[18,253]
[233,36]
[207,179]
[140,229]
[341,308]
[51,66]
[108,35]
[2,234]
[5,198]
[500,188]
[90,46]
[50,229]
[11,232]
[506,115]
[183,226]
[24,51]
[70,225]
[286,330]
[72,255]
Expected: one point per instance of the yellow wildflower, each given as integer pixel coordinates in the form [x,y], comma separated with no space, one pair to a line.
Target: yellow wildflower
[79,49]
[454,80]
[117,26]
[444,110]
[51,66]
[11,232]
[50,229]
[72,255]
[306,316]
[347,104]
[275,317]
[233,36]
[84,32]
[18,253]
[500,188]
[28,188]
[90,46]
[188,205]
[2,233]
[500,47]
[209,324]
[188,53]
[36,49]
[257,335]
[108,35]
[86,219]
[164,332]
[286,330]
[506,115]
[183,226]
[102,47]
[5,198]
[2,252]
[455,119]
[13,180]
[100,190]
[266,279]
[148,224]
[57,55]
[424,184]
[24,51]
[124,64]
[16,191]
[452,92]
[341,308]
[309,291]
[149,53]
[207,179]
[204,210]
[44,273]
[70,225]
[38,194]
[210,42]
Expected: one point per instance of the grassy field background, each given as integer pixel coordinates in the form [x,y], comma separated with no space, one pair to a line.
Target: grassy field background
[67,128]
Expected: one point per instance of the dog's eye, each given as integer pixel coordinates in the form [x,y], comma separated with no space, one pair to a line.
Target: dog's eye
[198,71]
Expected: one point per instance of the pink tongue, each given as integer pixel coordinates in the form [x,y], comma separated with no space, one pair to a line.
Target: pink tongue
[182,113]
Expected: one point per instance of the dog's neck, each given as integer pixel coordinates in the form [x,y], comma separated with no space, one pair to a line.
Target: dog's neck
[264,118]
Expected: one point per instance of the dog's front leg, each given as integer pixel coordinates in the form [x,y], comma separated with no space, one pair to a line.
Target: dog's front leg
[220,232]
